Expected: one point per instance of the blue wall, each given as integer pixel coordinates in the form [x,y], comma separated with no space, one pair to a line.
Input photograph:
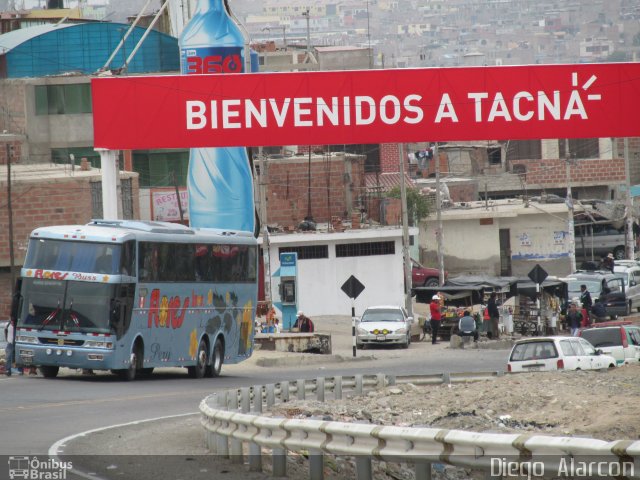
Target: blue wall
[86,47]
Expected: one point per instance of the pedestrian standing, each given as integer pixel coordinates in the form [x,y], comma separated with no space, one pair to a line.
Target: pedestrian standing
[587,303]
[486,321]
[494,317]
[10,334]
[574,319]
[436,316]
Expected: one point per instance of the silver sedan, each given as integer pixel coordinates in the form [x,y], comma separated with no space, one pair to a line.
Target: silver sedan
[384,325]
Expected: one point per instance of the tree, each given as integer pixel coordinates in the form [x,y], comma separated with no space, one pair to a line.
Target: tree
[417,205]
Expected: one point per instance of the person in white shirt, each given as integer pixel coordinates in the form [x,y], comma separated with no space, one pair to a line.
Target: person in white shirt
[10,334]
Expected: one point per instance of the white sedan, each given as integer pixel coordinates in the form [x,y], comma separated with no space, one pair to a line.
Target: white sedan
[556,353]
[383,325]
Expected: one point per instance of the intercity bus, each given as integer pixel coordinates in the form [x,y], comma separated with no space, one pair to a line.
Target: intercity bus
[130,296]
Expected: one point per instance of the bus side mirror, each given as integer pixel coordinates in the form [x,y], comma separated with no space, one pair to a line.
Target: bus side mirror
[116,317]
[114,313]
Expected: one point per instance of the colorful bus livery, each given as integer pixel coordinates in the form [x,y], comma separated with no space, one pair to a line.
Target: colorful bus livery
[130,296]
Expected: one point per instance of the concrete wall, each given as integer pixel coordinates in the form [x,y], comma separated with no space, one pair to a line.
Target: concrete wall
[335,58]
[471,242]
[319,280]
[43,132]
[56,131]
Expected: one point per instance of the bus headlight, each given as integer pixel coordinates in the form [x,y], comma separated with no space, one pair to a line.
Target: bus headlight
[26,339]
[98,344]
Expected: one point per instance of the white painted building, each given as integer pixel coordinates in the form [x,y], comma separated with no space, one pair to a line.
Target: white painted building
[327,259]
[503,237]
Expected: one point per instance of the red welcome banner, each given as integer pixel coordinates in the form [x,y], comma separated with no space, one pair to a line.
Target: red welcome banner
[367,106]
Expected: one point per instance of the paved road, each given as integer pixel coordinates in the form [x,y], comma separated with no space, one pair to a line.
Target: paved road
[37,412]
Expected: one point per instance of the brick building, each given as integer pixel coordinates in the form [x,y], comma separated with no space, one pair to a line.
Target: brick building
[48,194]
[333,182]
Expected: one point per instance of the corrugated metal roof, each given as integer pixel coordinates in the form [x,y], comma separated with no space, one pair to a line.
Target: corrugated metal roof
[10,40]
[384,182]
[46,50]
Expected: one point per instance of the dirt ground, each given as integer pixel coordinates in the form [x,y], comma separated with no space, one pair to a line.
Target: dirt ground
[601,405]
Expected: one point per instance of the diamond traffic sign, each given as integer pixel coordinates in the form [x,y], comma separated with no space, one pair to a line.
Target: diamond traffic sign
[352,287]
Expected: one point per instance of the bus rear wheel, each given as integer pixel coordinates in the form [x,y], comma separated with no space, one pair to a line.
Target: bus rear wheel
[49,371]
[202,359]
[213,370]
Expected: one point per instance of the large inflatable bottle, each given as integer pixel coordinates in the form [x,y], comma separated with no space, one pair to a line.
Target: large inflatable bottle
[219,182]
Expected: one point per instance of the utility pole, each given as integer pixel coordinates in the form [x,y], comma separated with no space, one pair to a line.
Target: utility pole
[629,203]
[309,217]
[436,157]
[405,236]
[262,212]
[10,214]
[175,184]
[369,39]
[569,201]
[307,15]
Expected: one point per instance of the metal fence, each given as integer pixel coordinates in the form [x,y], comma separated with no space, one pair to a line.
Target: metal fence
[232,420]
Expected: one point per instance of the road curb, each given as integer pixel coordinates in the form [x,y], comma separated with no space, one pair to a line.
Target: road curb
[307,359]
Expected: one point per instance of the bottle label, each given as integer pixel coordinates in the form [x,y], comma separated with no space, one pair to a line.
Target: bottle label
[197,61]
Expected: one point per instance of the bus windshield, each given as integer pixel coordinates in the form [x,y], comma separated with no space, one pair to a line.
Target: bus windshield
[70,306]
[84,257]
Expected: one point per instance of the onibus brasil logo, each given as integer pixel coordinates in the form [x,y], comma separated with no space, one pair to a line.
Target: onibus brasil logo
[34,469]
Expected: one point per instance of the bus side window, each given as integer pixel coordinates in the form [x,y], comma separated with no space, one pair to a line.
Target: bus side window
[128,258]
[185,266]
[148,262]
[202,263]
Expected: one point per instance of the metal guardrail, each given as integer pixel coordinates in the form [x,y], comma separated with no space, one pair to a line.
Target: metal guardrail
[232,419]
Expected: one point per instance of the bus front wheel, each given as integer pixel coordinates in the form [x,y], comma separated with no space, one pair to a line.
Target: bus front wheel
[49,371]
[202,358]
[129,374]
[213,370]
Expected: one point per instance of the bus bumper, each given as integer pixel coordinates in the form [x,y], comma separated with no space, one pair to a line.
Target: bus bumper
[41,355]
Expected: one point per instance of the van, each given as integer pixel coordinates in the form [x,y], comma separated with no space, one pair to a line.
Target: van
[595,240]
[603,285]
[621,340]
[630,274]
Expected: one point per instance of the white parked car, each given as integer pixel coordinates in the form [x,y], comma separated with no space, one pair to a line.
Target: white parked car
[556,353]
[384,325]
[621,340]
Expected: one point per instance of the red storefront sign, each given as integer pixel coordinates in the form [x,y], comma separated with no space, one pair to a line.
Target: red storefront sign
[367,106]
